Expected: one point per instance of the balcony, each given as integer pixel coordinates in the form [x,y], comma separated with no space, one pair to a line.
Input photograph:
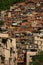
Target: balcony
[3,35]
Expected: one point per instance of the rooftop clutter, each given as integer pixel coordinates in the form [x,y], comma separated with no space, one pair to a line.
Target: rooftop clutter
[22,18]
[24,21]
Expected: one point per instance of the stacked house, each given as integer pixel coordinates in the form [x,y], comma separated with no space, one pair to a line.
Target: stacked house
[23,21]
[8,52]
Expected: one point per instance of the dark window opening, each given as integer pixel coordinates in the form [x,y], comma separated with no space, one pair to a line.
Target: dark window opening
[4,41]
[33,50]
[2,59]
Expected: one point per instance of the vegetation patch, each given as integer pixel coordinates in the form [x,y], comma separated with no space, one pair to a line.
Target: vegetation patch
[5,4]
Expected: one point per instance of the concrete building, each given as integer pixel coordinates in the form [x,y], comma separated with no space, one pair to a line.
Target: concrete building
[38,39]
[29,56]
[19,20]
[8,51]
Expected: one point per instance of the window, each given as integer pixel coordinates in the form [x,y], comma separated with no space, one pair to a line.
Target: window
[4,41]
[41,37]
[33,50]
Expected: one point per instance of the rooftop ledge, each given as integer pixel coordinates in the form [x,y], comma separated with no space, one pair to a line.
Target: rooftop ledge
[3,35]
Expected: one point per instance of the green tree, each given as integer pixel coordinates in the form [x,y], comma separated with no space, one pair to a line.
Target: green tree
[38,59]
[5,4]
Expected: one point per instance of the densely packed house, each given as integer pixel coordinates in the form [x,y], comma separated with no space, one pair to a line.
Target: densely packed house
[24,22]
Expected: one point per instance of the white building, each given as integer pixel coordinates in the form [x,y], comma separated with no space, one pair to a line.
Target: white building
[38,39]
[6,52]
